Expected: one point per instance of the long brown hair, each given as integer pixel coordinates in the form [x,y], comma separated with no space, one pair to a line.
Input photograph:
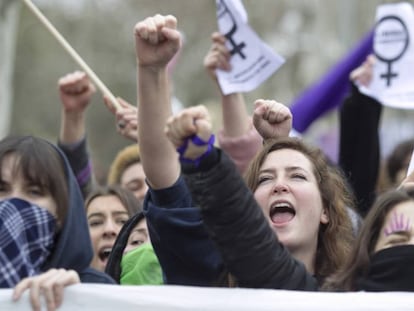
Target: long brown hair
[335,238]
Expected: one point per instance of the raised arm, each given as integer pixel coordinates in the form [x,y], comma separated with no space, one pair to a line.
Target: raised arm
[238,137]
[234,112]
[359,146]
[186,253]
[76,91]
[272,119]
[157,40]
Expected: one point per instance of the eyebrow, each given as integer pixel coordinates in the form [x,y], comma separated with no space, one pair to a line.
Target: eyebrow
[140,230]
[116,213]
[288,169]
[399,223]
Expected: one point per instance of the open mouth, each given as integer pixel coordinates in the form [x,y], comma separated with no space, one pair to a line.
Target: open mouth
[104,253]
[281,212]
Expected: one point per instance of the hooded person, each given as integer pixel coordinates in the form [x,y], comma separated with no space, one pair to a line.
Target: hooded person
[133,260]
[39,189]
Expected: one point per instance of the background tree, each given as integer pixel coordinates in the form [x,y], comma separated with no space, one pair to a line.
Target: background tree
[9,12]
[311,34]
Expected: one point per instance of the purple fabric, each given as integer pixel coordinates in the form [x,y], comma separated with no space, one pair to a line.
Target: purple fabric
[328,92]
[85,174]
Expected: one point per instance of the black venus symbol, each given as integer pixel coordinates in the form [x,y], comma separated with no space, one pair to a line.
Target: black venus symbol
[389,75]
[237,48]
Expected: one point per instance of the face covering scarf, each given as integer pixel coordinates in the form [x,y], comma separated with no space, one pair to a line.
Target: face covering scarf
[391,269]
[141,267]
[26,239]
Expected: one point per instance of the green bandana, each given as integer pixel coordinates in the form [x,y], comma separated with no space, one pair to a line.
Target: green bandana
[141,267]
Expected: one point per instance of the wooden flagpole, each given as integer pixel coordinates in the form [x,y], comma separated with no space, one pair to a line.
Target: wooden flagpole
[73,53]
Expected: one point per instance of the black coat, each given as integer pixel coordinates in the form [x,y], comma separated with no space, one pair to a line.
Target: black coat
[359,147]
[249,247]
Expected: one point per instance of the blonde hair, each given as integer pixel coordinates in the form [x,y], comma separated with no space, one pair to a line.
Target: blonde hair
[124,159]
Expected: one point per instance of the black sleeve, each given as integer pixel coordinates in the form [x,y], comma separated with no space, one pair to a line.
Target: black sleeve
[359,146]
[250,248]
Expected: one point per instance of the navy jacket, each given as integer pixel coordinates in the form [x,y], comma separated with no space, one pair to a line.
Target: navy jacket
[186,253]
[73,248]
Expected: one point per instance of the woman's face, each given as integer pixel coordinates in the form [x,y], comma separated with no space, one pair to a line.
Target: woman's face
[133,179]
[289,196]
[138,236]
[106,216]
[14,185]
[397,228]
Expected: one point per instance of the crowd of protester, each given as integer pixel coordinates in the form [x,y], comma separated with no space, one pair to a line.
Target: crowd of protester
[259,208]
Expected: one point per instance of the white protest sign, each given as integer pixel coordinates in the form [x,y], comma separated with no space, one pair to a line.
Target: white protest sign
[252,60]
[411,165]
[238,5]
[393,80]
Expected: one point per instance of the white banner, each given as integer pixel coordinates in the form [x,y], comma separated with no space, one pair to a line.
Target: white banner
[393,79]
[252,60]
[90,297]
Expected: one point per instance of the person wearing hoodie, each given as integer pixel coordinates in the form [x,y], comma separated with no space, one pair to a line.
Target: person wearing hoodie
[132,260]
[38,188]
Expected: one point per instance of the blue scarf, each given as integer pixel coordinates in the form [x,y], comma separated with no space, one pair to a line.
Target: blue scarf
[26,240]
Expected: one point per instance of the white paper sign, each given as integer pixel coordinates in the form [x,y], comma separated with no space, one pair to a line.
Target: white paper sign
[393,78]
[411,165]
[252,60]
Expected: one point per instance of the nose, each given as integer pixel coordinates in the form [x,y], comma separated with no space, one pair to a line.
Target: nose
[280,187]
[15,193]
[110,230]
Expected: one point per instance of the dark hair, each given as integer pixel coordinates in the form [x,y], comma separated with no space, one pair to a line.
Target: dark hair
[335,238]
[397,159]
[113,267]
[358,262]
[127,198]
[41,164]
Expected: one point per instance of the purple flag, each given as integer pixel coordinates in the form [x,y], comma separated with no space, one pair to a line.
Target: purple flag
[329,91]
